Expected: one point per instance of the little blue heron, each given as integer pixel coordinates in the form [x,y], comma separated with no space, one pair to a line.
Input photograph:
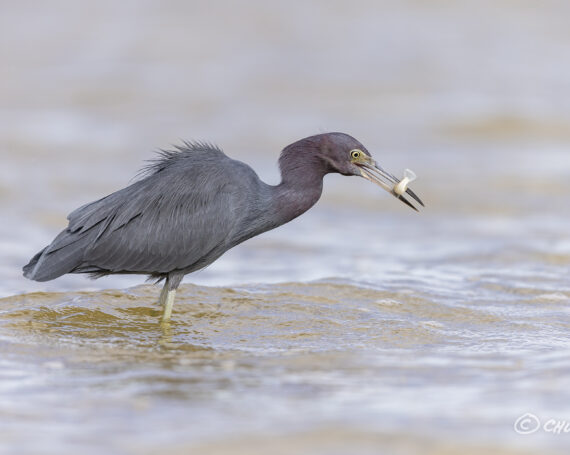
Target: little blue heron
[192,205]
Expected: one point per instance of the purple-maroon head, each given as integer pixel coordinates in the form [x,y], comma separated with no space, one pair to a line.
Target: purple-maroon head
[318,155]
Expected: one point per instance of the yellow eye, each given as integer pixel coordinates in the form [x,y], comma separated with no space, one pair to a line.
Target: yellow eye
[355,154]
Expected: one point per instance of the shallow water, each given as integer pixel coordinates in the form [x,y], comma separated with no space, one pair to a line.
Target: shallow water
[362,327]
[294,360]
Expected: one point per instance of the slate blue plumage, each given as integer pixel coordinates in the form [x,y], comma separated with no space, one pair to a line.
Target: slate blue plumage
[193,204]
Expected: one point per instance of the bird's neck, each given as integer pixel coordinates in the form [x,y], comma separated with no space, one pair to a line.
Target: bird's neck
[301,184]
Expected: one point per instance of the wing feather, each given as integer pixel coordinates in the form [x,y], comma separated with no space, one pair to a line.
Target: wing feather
[189,207]
[173,220]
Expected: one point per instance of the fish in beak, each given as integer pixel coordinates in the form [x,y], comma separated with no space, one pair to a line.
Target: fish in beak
[370,170]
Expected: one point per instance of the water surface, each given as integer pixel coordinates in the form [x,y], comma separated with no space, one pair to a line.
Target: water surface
[362,327]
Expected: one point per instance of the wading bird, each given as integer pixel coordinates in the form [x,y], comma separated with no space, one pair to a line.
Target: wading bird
[195,203]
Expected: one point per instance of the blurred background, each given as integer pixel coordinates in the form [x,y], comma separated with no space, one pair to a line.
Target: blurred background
[447,325]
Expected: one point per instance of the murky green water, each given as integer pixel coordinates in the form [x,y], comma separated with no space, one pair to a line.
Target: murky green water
[361,327]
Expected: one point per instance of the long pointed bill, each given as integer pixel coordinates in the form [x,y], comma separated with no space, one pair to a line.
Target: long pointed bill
[371,171]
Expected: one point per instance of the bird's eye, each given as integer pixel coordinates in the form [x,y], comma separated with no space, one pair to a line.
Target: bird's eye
[355,154]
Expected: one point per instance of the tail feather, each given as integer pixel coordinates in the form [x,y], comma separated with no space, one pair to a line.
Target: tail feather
[67,251]
[30,266]
[62,256]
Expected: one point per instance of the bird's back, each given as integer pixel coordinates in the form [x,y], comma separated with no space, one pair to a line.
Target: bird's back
[191,206]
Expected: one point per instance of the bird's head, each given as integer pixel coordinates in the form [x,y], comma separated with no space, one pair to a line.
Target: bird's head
[347,156]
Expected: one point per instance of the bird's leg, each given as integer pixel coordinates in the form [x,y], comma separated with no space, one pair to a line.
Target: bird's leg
[167,296]
[163,293]
[167,300]
[168,304]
